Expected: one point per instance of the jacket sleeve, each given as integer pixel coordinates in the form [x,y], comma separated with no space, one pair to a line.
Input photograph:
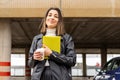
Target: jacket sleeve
[31,61]
[69,57]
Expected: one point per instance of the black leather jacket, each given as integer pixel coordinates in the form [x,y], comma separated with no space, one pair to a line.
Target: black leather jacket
[60,64]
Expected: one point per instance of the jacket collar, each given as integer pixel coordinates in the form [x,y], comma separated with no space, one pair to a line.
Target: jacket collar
[39,36]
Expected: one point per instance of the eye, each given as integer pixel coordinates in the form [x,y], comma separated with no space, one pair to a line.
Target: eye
[49,15]
[56,16]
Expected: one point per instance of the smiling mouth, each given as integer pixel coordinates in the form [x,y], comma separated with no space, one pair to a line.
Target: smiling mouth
[51,22]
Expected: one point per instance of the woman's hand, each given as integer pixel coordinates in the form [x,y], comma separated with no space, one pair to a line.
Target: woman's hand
[39,54]
[47,51]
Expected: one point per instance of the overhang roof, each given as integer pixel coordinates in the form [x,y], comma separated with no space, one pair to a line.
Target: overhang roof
[87,32]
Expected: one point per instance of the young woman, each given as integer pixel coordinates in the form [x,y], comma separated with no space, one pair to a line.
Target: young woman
[57,66]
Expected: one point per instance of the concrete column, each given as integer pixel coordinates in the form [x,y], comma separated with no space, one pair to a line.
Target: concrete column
[27,68]
[84,64]
[103,56]
[5,49]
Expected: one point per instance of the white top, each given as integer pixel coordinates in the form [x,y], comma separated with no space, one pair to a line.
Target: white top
[50,32]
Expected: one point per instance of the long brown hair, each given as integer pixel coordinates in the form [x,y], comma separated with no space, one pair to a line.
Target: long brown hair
[60,26]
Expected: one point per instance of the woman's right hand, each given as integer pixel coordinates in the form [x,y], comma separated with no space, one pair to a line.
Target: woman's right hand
[38,55]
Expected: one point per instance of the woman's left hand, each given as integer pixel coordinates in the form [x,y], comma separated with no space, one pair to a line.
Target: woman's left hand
[47,51]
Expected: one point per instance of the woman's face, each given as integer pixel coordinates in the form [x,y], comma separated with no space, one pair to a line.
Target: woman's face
[52,19]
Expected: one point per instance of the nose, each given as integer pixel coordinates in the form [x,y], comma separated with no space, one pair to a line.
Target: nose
[52,17]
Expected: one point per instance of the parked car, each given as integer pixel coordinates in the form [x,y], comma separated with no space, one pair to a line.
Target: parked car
[110,71]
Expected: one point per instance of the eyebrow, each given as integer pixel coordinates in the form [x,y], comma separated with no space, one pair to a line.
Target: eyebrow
[51,13]
[54,14]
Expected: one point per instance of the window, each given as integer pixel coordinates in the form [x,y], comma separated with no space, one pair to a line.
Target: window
[93,61]
[110,56]
[108,66]
[17,64]
[112,53]
[77,69]
[116,64]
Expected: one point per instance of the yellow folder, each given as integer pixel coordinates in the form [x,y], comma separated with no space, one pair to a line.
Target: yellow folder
[53,42]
